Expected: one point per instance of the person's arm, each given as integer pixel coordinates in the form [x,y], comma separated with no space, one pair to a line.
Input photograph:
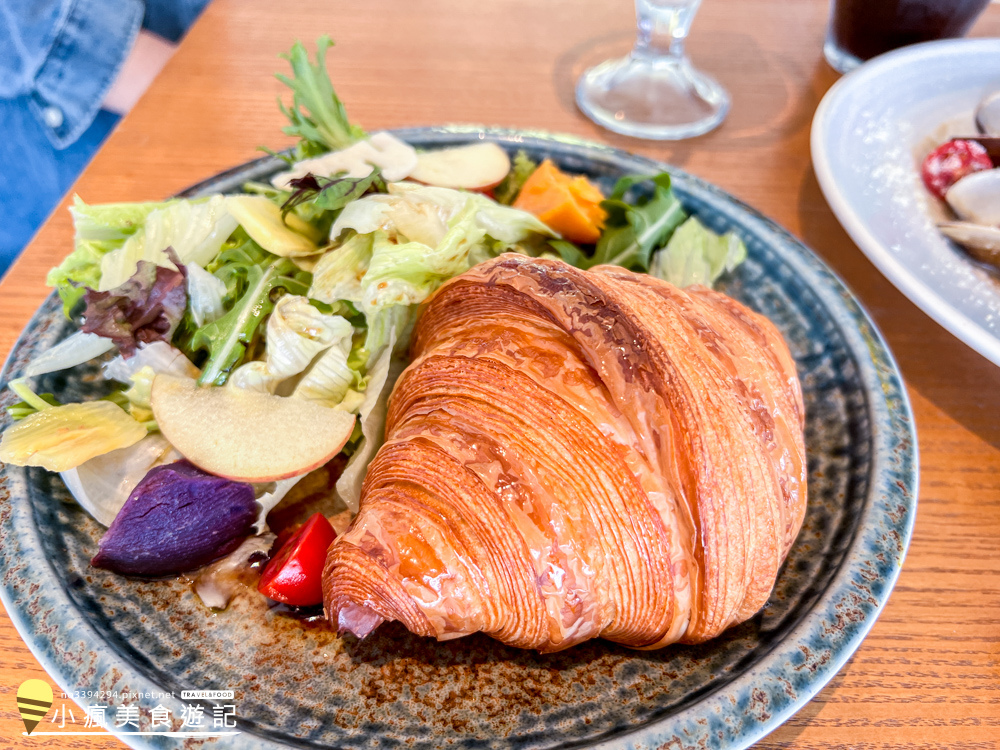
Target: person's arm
[148,56]
[64,56]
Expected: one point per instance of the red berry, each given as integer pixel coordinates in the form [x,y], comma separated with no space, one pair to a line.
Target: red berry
[950,162]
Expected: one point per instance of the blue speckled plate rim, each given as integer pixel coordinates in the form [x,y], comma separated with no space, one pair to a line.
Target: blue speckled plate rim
[816,644]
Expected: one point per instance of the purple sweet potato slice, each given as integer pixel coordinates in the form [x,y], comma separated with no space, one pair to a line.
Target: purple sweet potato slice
[177,519]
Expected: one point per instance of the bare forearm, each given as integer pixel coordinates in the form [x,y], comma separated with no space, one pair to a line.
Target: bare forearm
[148,56]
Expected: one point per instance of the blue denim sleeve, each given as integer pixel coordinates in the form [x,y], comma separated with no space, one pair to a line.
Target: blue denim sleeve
[64,55]
[171,18]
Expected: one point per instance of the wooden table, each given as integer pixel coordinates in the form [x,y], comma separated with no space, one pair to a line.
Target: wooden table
[928,675]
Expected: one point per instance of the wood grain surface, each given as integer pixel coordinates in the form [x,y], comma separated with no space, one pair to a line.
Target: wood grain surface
[928,675]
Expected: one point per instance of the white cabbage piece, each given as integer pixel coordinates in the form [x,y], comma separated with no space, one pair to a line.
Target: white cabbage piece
[269,495]
[218,583]
[102,485]
[206,293]
[74,350]
[195,230]
[296,333]
[157,355]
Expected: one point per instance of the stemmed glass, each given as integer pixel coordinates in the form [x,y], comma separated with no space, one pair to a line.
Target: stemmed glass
[654,92]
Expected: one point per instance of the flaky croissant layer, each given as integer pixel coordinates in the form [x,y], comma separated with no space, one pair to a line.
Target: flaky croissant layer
[577,454]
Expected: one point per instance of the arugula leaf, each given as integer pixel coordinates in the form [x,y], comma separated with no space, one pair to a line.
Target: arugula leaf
[332,193]
[519,173]
[570,253]
[317,116]
[319,218]
[633,231]
[254,281]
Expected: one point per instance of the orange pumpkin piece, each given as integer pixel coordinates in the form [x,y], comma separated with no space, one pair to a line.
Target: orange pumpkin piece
[569,205]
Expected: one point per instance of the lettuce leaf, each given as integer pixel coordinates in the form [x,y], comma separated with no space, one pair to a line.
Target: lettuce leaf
[254,280]
[331,377]
[697,255]
[158,356]
[148,307]
[98,231]
[338,273]
[296,333]
[205,295]
[632,231]
[59,438]
[331,193]
[195,230]
[382,376]
[139,370]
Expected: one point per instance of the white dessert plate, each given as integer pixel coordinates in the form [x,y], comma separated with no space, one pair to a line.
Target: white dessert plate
[869,136]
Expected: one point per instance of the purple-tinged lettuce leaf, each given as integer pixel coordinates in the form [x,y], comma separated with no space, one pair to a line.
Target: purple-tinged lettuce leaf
[144,309]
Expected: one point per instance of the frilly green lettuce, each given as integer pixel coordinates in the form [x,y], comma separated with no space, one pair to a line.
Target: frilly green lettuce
[99,230]
[697,255]
[423,213]
[195,230]
[296,334]
[338,273]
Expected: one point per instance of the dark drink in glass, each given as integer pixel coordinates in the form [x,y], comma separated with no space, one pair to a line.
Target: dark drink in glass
[862,29]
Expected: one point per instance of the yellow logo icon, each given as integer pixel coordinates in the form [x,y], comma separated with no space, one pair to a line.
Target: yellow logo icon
[33,700]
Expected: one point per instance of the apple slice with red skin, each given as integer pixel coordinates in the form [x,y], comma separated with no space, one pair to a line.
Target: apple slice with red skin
[478,166]
[246,435]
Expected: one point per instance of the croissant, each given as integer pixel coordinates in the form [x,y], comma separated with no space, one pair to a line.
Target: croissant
[577,454]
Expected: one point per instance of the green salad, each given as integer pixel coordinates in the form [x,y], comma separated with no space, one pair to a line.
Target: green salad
[253,338]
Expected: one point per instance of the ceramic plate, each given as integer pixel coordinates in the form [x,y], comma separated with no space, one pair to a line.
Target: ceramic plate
[299,685]
[869,137]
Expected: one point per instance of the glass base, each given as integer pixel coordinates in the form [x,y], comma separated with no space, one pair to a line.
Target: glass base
[838,59]
[659,98]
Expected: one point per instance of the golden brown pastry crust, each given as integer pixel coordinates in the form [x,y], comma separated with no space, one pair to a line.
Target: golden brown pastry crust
[574,455]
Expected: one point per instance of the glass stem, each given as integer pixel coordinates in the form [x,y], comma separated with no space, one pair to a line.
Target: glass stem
[663,27]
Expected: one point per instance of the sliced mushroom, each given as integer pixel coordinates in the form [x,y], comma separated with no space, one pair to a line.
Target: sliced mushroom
[981,242]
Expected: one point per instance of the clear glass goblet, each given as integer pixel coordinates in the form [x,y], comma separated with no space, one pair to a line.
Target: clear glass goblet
[654,92]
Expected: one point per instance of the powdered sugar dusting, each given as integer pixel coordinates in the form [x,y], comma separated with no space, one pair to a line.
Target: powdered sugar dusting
[875,133]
